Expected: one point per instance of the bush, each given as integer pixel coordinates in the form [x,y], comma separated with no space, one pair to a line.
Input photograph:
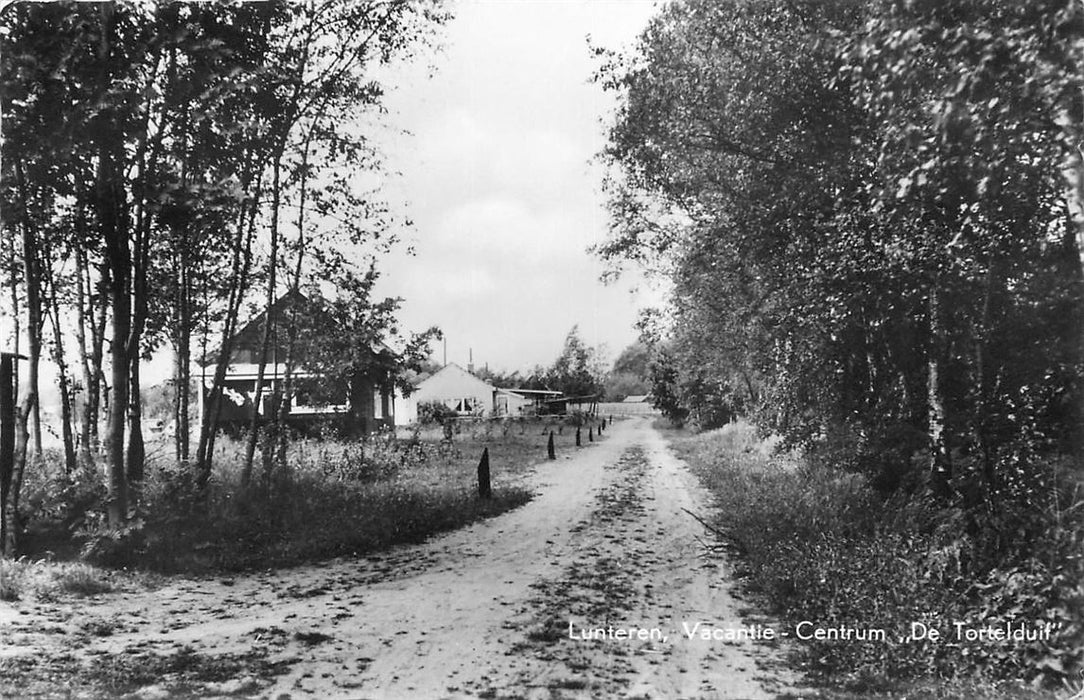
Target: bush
[115,547]
[68,501]
[434,412]
[47,580]
[330,498]
[576,419]
[823,544]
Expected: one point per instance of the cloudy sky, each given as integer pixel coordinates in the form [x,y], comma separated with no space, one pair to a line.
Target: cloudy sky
[496,176]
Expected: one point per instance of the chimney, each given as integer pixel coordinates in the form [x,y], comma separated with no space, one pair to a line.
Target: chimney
[470,362]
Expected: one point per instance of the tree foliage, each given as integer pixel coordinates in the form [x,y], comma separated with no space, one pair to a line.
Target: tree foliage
[865,213]
[630,374]
[576,372]
[162,161]
[871,213]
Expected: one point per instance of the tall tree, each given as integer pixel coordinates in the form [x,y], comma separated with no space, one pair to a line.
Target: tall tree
[577,370]
[151,128]
[863,211]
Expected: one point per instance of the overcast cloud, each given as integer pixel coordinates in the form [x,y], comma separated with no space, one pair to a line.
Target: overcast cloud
[496,176]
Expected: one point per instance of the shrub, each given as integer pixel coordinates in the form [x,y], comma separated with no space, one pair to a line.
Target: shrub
[823,544]
[69,501]
[332,497]
[47,580]
[116,547]
[432,412]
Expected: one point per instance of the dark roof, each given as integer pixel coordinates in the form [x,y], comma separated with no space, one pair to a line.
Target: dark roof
[254,329]
[255,324]
[574,399]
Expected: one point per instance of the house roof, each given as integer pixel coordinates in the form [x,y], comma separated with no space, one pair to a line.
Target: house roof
[574,399]
[272,370]
[254,328]
[292,296]
[437,382]
[635,398]
[533,392]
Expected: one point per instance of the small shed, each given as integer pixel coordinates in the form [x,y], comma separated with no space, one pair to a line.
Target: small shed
[522,402]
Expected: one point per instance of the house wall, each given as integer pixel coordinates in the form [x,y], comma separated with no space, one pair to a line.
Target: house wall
[373,405]
[451,386]
[509,403]
[370,406]
[406,409]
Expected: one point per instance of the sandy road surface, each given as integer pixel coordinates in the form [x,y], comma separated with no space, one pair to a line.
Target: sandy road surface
[487,611]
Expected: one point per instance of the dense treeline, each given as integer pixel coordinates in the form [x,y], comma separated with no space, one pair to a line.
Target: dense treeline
[871,213]
[168,169]
[872,216]
[576,372]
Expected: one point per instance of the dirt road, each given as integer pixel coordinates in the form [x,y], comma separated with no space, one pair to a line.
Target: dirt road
[509,607]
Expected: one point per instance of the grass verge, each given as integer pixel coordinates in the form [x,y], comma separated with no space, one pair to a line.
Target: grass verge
[821,545]
[184,674]
[328,498]
[47,580]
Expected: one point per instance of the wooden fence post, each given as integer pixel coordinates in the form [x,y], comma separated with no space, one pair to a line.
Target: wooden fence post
[578,443]
[485,489]
[550,452]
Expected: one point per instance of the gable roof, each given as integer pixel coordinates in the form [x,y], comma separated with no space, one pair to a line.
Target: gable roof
[533,392]
[250,336]
[448,378]
[255,324]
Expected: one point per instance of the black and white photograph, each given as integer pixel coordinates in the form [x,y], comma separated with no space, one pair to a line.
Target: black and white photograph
[542,349]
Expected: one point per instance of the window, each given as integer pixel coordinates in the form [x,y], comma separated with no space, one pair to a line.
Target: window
[315,395]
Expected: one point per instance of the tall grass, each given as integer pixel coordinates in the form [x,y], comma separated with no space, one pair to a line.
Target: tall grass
[822,545]
[328,498]
[47,580]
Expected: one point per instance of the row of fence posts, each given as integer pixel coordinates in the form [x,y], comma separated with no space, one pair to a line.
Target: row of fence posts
[485,486]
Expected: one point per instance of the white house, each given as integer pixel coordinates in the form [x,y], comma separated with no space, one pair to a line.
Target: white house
[468,395]
[454,387]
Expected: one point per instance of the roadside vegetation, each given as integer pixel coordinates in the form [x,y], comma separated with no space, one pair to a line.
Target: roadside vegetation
[822,544]
[870,213]
[168,172]
[47,580]
[334,498]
